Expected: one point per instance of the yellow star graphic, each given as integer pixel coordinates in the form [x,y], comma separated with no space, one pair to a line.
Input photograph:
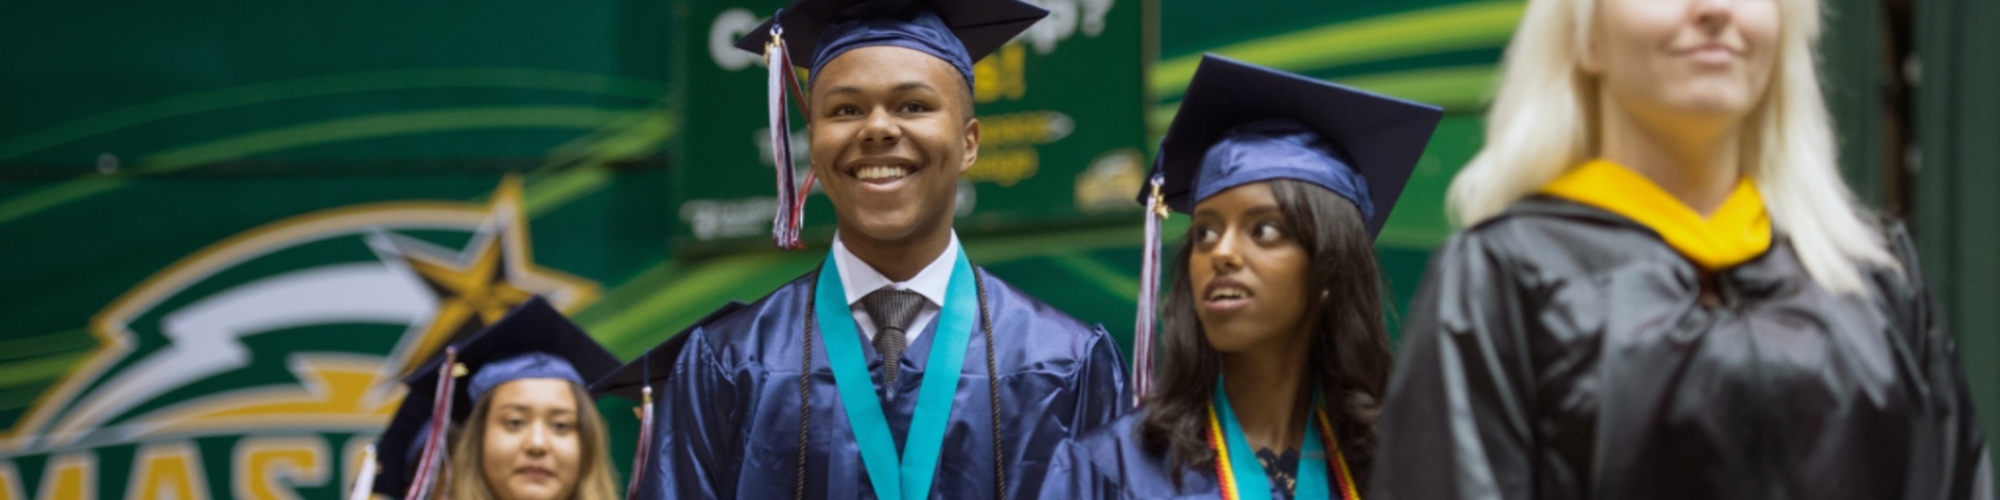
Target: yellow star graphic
[492,275]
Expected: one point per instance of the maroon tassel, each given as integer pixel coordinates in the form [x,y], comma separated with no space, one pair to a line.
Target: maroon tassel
[792,193]
[1143,328]
[430,467]
[640,452]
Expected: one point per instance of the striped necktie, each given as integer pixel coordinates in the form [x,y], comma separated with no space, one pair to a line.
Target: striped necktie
[892,310]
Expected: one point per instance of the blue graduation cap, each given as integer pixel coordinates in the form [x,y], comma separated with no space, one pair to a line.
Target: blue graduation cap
[811,33]
[533,341]
[1242,123]
[958,31]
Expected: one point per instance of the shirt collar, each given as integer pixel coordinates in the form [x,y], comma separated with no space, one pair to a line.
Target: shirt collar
[859,279]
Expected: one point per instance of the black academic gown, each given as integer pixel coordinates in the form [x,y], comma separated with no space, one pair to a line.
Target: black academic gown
[729,422]
[1560,351]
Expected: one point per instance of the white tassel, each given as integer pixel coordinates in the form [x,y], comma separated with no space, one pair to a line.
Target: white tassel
[1143,329]
[785,223]
[364,481]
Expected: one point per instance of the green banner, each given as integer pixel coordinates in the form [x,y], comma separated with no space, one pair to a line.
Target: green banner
[230,227]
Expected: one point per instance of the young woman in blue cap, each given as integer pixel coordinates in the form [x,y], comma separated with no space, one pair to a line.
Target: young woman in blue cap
[534,434]
[1273,353]
[1664,290]
[517,422]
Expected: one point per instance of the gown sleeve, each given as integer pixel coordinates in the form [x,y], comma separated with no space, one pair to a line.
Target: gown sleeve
[1102,394]
[1963,467]
[1073,476]
[697,446]
[1098,395]
[1456,421]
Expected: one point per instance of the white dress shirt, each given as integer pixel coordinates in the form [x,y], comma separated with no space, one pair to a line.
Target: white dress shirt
[859,279]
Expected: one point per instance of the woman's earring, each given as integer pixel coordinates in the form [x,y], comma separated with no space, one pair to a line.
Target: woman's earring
[1324,293]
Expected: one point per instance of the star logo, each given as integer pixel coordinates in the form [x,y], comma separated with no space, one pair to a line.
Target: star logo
[479,284]
[440,271]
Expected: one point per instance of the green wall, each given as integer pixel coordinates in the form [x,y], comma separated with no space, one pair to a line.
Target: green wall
[1953,204]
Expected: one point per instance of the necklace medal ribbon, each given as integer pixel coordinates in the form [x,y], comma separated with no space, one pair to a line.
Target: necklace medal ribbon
[908,474]
[1241,477]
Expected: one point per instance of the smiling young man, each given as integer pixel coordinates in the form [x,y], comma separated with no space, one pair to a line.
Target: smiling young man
[897,370]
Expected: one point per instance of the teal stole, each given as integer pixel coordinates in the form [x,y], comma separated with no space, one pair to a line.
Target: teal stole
[1242,476]
[905,475]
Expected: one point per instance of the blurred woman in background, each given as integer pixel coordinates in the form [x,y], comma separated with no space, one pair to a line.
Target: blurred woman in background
[521,425]
[1665,290]
[534,434]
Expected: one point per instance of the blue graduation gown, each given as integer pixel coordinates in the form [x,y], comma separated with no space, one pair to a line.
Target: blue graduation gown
[729,425]
[1112,463]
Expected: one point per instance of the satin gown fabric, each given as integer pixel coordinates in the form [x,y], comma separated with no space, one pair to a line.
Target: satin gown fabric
[729,417]
[1560,351]
[1112,463]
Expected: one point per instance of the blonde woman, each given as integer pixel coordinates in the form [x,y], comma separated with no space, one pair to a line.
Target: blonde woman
[1664,290]
[534,434]
[521,425]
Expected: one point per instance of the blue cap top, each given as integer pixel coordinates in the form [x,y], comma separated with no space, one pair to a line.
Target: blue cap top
[956,31]
[1242,123]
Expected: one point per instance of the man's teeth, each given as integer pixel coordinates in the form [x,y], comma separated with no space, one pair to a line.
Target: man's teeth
[1227,293]
[875,173]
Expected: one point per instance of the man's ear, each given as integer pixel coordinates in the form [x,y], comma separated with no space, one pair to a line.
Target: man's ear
[971,145]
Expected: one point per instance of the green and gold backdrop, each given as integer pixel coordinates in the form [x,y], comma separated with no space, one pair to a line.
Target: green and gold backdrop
[230,227]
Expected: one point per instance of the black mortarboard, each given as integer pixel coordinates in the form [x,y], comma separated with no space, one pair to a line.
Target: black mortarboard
[1242,123]
[958,31]
[657,363]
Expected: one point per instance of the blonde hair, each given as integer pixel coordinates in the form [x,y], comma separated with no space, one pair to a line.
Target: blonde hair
[1544,121]
[595,481]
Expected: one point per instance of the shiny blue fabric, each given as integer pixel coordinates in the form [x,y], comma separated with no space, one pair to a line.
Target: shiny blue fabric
[729,422]
[925,32]
[1279,148]
[1112,463]
[531,365]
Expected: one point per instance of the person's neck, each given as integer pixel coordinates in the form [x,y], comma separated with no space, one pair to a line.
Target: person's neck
[898,260]
[1266,391]
[1698,160]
